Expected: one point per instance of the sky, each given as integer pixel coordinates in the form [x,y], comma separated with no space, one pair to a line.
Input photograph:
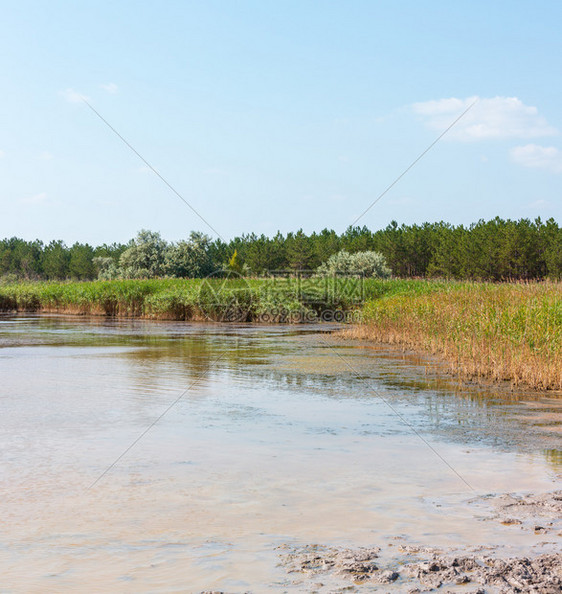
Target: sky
[267,116]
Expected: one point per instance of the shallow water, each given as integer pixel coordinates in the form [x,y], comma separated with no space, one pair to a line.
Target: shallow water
[283,435]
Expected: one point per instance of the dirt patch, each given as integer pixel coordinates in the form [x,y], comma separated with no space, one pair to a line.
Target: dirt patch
[417,570]
[359,565]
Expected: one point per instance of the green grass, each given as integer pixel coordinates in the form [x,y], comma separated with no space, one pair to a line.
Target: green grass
[159,298]
[197,298]
[184,299]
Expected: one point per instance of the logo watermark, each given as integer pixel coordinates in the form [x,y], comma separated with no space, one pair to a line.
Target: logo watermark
[225,296]
[281,296]
[311,288]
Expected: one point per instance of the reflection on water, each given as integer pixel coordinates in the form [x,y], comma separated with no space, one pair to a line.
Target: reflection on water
[283,436]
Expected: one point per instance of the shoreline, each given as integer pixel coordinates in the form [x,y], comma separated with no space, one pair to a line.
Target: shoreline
[509,332]
[367,334]
[447,368]
[403,567]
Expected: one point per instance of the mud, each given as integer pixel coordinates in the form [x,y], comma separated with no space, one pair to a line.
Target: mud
[540,513]
[416,569]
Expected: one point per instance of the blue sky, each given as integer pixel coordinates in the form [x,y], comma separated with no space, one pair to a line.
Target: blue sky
[273,116]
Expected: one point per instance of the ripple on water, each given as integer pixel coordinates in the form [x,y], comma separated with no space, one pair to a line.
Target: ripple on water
[274,440]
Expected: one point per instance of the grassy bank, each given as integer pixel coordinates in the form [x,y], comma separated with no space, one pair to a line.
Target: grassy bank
[154,298]
[279,300]
[497,331]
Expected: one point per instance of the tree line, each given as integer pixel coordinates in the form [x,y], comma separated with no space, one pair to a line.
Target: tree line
[492,250]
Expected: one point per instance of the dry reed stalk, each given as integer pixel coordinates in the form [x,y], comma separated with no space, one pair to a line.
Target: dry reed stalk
[500,332]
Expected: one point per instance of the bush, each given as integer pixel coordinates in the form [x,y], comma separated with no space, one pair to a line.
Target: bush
[145,257]
[366,264]
[189,259]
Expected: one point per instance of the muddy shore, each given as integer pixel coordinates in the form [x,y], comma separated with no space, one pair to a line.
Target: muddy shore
[419,569]
[414,569]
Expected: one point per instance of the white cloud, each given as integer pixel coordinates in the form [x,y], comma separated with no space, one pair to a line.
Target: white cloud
[110,88]
[35,199]
[538,157]
[73,96]
[539,203]
[2,154]
[490,118]
[46,156]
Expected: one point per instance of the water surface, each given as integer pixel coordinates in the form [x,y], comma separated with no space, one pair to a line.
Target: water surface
[282,435]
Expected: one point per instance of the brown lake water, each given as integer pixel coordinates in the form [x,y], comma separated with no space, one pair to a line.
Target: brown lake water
[285,435]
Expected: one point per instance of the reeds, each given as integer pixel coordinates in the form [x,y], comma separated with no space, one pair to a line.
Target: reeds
[284,299]
[130,298]
[170,299]
[510,331]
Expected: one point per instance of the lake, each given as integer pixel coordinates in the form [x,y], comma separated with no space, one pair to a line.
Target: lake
[258,437]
